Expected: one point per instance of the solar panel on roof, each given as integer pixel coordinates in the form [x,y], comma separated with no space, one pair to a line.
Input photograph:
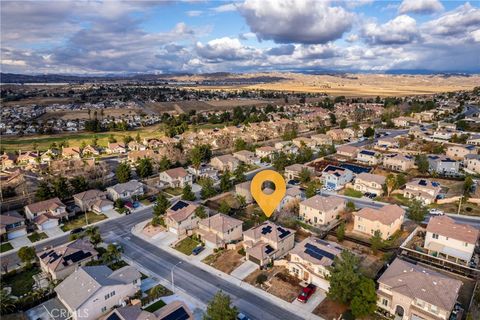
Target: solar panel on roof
[266,229]
[313,254]
[268,249]
[77,256]
[179,205]
[356,169]
[422,182]
[435,184]
[283,232]
[179,314]
[370,153]
[46,254]
[320,252]
[113,316]
[322,242]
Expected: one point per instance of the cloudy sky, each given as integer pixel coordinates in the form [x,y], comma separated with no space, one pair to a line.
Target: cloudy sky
[111,37]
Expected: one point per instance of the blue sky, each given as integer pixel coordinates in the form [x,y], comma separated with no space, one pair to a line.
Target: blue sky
[112,37]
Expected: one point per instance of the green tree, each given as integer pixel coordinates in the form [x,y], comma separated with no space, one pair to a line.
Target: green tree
[364,300]
[94,234]
[344,275]
[239,173]
[240,144]
[341,232]
[144,167]
[187,193]
[61,188]
[280,161]
[311,190]
[422,163]
[305,175]
[417,211]
[111,139]
[333,118]
[224,207]
[79,184]
[112,254]
[44,192]
[7,302]
[369,132]
[123,172]
[164,164]
[350,206]
[201,212]
[468,185]
[225,182]
[27,255]
[161,205]
[220,308]
[390,183]
[401,180]
[200,153]
[208,190]
[376,241]
[158,221]
[343,123]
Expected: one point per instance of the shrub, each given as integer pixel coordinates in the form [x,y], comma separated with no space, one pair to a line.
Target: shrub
[261,278]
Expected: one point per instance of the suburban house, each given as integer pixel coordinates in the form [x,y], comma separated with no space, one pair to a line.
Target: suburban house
[299,141]
[474,140]
[116,148]
[136,146]
[181,217]
[336,177]
[472,163]
[347,151]
[125,190]
[368,182]
[243,189]
[90,150]
[8,160]
[12,225]
[368,157]
[71,153]
[225,162]
[219,230]
[387,143]
[411,291]
[458,152]
[175,178]
[398,162]
[423,190]
[46,214]
[174,310]
[338,134]
[388,219]
[403,121]
[292,196]
[293,171]
[450,240]
[443,165]
[134,156]
[265,151]
[28,157]
[101,290]
[247,157]
[310,259]
[61,261]
[205,170]
[93,199]
[267,242]
[321,210]
[322,139]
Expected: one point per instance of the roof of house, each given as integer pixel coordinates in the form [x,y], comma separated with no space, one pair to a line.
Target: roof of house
[297,167]
[90,280]
[226,158]
[129,313]
[446,226]
[221,222]
[50,204]
[347,149]
[368,153]
[64,256]
[268,230]
[424,183]
[417,282]
[385,215]
[70,151]
[115,145]
[245,153]
[127,186]
[173,311]
[323,203]
[370,177]
[336,171]
[89,194]
[317,251]
[10,217]
[177,173]
[181,210]
[244,185]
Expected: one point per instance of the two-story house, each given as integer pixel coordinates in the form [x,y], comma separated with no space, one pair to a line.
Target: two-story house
[126,190]
[219,230]
[292,172]
[247,157]
[322,139]
[46,214]
[225,162]
[472,163]
[368,157]
[93,199]
[423,190]
[12,225]
[310,259]
[458,152]
[321,210]
[243,189]
[181,217]
[265,151]
[175,178]
[443,165]
[347,151]
[450,240]
[99,289]
[398,162]
[116,148]
[388,219]
[368,182]
[410,291]
[267,242]
[336,177]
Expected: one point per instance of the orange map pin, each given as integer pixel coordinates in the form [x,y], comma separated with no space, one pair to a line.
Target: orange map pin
[268,202]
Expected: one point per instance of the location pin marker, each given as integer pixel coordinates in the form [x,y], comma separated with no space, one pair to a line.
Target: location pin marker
[268,202]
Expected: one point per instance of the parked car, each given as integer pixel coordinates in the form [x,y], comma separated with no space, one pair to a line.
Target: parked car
[241,316]
[77,230]
[129,204]
[306,293]
[152,198]
[197,250]
[436,212]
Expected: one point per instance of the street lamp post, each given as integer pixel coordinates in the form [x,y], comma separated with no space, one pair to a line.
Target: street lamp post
[171,272]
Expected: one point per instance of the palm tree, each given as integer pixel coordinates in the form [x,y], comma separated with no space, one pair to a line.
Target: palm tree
[6,302]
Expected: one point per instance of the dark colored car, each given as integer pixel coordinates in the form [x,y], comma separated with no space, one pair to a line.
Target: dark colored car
[77,230]
[306,293]
[197,250]
[242,316]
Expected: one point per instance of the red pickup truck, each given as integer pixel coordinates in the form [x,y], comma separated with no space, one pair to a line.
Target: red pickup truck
[306,293]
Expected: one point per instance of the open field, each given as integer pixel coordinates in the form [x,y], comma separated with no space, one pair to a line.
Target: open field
[73,139]
[225,260]
[367,85]
[83,114]
[38,101]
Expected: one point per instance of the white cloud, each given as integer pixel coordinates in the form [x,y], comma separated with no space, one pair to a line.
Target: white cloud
[455,23]
[224,49]
[420,6]
[225,8]
[194,13]
[296,21]
[401,30]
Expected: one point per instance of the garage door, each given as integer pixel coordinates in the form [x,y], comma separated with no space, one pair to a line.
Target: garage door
[321,283]
[50,224]
[173,230]
[16,234]
[107,207]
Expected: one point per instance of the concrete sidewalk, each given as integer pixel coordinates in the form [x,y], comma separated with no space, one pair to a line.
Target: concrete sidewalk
[299,310]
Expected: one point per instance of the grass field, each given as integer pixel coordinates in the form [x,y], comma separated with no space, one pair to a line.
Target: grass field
[79,221]
[83,114]
[186,246]
[155,306]
[34,237]
[4,247]
[20,282]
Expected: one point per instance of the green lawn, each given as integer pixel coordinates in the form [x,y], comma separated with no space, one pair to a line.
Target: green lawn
[155,306]
[5,247]
[79,221]
[349,192]
[20,282]
[187,245]
[173,191]
[117,265]
[34,237]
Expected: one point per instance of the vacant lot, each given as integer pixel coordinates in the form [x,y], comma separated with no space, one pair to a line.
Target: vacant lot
[81,221]
[225,260]
[278,282]
[330,310]
[38,101]
[83,114]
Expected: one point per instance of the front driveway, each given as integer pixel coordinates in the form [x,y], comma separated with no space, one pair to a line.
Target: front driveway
[243,270]
[313,302]
[164,239]
[112,214]
[19,242]
[54,232]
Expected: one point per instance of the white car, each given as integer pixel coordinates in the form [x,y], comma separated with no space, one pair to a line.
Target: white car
[436,212]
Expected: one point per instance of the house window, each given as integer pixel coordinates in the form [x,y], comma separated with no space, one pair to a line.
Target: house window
[104,309]
[466,244]
[435,236]
[385,302]
[112,293]
[107,296]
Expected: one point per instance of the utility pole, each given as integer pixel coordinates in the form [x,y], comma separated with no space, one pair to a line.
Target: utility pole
[173,282]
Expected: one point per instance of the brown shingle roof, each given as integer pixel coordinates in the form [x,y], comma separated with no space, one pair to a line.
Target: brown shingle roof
[176,173]
[371,177]
[447,227]
[385,215]
[323,203]
[221,223]
[50,204]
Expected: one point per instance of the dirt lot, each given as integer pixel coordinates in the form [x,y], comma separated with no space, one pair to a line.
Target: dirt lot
[225,261]
[83,114]
[329,309]
[279,283]
[38,101]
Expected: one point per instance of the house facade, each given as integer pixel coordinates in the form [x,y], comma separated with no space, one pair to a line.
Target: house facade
[89,199]
[368,182]
[46,214]
[176,178]
[423,190]
[181,217]
[336,177]
[12,225]
[219,230]
[321,210]
[398,162]
[388,219]
[125,190]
